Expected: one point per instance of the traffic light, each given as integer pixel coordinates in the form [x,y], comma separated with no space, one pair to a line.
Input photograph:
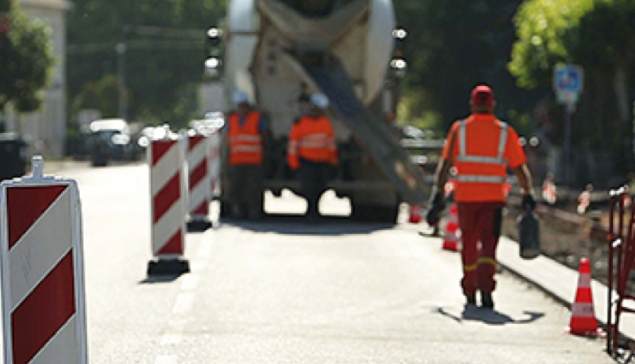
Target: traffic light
[398,64]
[213,64]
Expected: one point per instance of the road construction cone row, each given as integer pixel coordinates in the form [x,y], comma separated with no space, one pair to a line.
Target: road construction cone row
[583,321]
[452,232]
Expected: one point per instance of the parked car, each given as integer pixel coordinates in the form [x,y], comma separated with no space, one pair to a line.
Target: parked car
[110,139]
[13,156]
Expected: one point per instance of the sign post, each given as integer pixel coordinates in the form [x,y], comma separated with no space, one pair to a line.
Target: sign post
[568,81]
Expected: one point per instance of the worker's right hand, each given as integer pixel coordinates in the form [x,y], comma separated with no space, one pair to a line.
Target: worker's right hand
[528,204]
[438,205]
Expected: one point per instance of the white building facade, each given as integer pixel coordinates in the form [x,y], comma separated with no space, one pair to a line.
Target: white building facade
[45,129]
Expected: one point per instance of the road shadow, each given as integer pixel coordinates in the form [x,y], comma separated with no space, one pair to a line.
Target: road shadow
[159,279]
[489,316]
[298,225]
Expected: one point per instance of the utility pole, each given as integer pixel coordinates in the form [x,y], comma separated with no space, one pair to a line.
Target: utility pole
[121,49]
[5,28]
[569,109]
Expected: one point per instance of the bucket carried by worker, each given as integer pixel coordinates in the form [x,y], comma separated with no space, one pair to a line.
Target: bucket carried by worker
[529,234]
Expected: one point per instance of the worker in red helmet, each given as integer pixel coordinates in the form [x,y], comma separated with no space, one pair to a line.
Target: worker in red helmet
[480,147]
[312,148]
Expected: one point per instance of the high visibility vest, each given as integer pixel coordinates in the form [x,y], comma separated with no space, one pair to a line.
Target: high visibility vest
[313,140]
[480,177]
[245,141]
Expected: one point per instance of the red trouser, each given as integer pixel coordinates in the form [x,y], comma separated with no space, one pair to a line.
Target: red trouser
[480,224]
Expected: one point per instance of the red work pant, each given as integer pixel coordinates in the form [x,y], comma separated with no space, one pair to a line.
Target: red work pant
[480,224]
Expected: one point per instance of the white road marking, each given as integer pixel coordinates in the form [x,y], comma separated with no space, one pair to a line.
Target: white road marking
[204,250]
[183,304]
[190,283]
[166,359]
[171,339]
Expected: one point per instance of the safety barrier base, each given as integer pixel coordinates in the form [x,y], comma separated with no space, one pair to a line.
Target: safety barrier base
[199,226]
[171,267]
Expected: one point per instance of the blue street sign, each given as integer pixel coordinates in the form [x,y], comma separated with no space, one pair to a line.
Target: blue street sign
[568,78]
[568,81]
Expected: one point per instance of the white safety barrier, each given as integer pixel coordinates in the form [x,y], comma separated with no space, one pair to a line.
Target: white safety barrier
[214,141]
[169,205]
[43,304]
[199,181]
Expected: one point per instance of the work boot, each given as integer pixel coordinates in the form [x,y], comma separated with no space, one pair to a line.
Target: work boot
[486,300]
[470,299]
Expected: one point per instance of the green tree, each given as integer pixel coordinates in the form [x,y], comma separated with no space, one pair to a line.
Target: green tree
[100,95]
[596,34]
[165,42]
[451,48]
[27,60]
[541,28]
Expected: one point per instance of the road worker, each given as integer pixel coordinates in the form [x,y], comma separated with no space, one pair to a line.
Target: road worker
[246,134]
[480,148]
[312,148]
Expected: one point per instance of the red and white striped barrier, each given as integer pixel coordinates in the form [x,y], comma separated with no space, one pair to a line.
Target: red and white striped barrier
[169,205]
[199,191]
[43,303]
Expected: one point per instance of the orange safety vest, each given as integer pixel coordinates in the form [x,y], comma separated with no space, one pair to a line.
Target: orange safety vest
[482,158]
[311,139]
[245,141]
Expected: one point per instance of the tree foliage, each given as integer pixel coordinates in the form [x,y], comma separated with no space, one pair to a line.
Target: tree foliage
[164,51]
[597,35]
[542,28]
[27,61]
[453,47]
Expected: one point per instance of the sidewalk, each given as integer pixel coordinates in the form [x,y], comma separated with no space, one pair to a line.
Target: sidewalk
[558,281]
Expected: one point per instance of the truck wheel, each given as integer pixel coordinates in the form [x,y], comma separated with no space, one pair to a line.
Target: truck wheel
[225,209]
[375,213]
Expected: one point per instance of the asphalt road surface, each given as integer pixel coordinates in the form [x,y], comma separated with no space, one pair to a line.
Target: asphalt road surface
[284,291]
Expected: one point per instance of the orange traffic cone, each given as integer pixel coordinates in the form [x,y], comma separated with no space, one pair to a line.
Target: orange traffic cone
[451,233]
[414,214]
[583,321]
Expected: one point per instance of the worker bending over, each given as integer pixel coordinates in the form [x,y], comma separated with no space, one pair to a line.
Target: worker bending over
[480,147]
[312,149]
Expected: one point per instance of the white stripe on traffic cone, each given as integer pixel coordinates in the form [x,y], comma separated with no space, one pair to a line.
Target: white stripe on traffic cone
[42,271]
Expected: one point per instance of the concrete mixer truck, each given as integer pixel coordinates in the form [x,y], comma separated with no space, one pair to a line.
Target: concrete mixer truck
[279,50]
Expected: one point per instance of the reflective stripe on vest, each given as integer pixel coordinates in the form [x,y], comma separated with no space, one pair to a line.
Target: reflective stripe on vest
[478,178]
[464,157]
[245,141]
[323,141]
[319,145]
